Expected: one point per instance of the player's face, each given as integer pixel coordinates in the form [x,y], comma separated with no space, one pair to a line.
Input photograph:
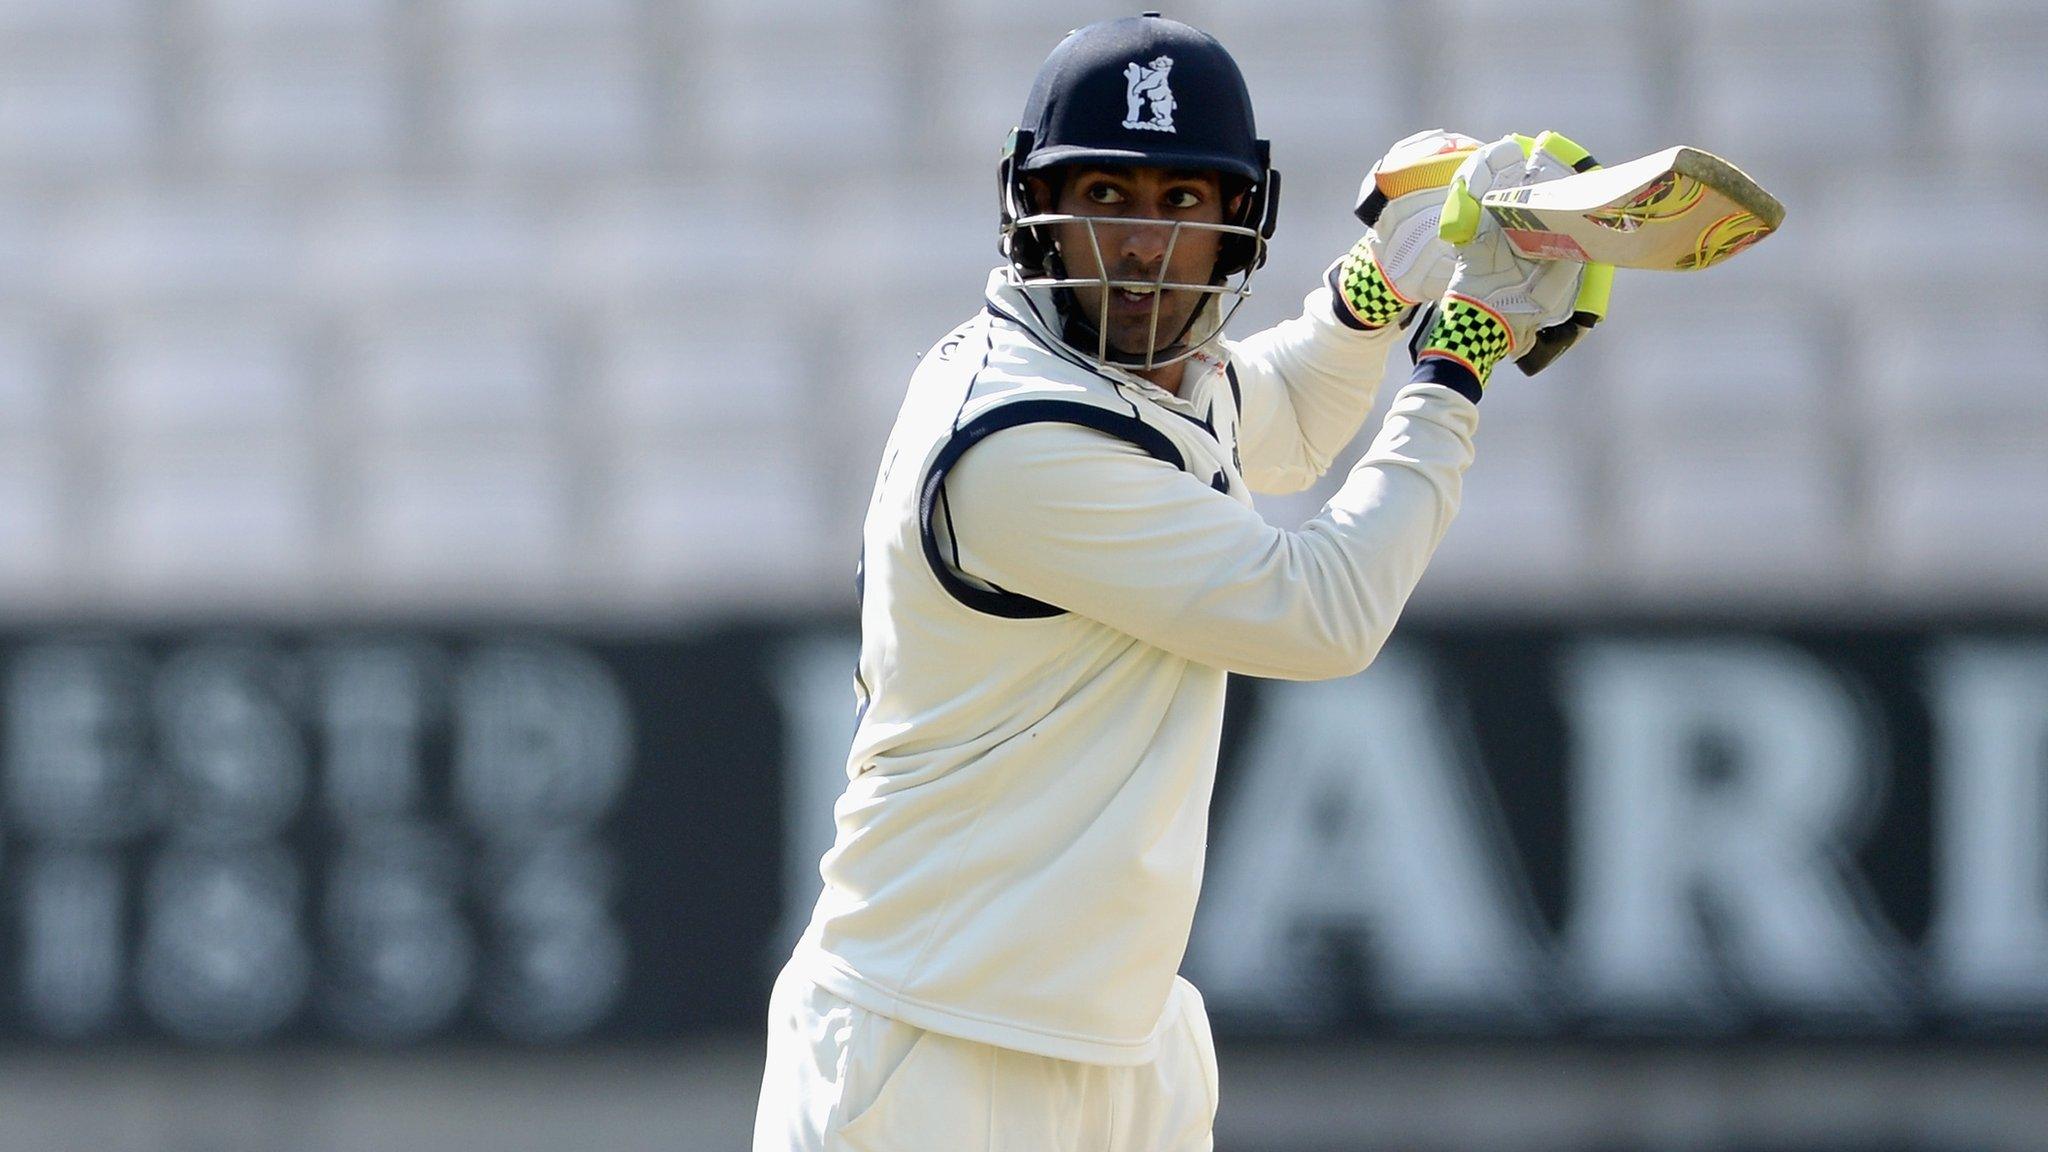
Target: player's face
[1140,251]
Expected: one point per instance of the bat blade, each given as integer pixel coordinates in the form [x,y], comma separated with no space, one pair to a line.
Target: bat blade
[1681,209]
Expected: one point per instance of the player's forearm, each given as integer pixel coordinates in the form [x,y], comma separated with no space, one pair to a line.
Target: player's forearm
[1390,515]
[1309,383]
[1323,600]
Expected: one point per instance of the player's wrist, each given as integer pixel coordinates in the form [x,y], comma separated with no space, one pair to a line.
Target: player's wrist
[1365,298]
[1466,339]
[1449,373]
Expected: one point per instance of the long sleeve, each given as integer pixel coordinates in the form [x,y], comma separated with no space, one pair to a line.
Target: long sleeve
[1307,384]
[1080,520]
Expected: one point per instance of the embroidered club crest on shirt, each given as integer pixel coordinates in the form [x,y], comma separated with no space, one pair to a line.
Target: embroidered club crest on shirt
[1146,83]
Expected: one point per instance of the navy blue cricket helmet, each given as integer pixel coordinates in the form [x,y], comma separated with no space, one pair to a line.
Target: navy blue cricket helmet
[1140,90]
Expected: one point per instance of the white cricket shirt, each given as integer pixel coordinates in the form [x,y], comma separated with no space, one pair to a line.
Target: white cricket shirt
[1060,566]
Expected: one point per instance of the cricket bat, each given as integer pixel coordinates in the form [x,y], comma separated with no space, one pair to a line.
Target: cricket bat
[1681,209]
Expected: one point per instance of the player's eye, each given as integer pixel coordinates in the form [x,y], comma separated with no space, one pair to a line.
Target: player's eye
[1103,194]
[1184,198]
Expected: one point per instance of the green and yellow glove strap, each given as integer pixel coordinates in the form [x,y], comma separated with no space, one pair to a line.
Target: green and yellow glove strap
[1365,299]
[1462,347]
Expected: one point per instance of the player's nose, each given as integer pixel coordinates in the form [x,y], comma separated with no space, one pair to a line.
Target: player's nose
[1144,246]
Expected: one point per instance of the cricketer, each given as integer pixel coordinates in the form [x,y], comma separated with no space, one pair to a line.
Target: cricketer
[1061,564]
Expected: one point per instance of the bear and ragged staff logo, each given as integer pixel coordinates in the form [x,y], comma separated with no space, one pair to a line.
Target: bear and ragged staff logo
[1146,83]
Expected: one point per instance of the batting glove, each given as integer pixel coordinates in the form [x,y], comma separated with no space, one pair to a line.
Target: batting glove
[1401,261]
[1497,300]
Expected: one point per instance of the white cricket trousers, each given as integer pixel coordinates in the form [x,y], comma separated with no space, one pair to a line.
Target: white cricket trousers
[843,1079]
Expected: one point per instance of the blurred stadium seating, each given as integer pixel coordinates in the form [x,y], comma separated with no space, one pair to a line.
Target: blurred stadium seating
[302,287]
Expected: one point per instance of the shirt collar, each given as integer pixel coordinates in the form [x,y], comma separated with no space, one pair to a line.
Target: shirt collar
[1033,310]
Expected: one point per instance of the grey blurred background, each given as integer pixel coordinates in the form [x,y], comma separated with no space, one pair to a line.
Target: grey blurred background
[593,314]
[600,308]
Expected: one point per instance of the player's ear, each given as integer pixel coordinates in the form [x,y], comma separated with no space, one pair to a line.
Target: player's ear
[1039,193]
[1236,194]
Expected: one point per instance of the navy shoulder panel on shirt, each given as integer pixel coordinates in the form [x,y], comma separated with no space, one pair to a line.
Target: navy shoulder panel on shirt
[1011,605]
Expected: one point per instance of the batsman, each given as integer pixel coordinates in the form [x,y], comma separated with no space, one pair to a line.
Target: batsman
[1060,566]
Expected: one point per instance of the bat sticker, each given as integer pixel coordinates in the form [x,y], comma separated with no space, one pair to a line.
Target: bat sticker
[1547,245]
[1663,198]
[1515,219]
[1724,238]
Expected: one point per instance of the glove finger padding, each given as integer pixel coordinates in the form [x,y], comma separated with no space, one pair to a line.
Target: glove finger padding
[1402,199]
[1401,260]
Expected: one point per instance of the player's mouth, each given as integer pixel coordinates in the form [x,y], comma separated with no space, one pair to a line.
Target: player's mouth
[1134,299]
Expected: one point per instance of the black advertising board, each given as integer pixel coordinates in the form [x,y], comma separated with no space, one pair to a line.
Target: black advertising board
[407,836]
[384,837]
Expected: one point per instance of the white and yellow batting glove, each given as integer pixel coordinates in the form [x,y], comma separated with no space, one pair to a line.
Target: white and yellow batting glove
[1538,333]
[1401,261]
[1500,304]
